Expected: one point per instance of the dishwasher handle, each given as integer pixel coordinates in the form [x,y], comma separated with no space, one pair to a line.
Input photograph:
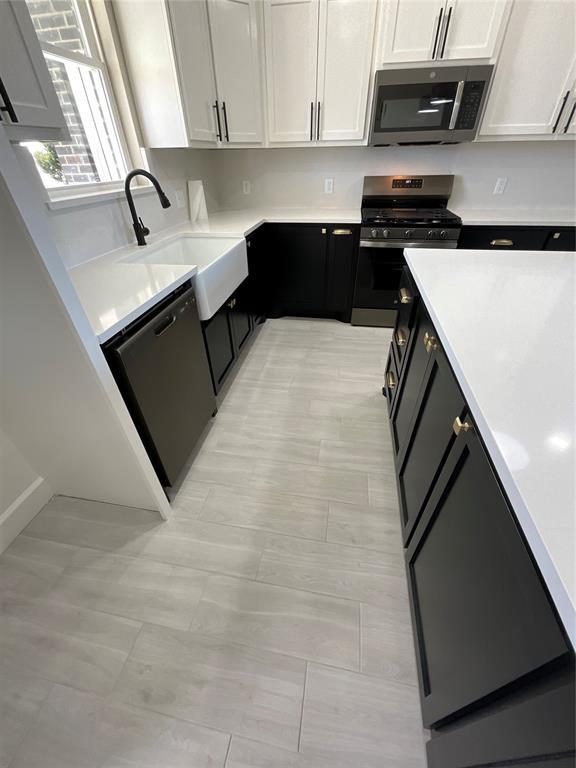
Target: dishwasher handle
[163,327]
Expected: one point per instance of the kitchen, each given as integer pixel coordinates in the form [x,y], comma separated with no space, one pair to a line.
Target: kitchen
[222,544]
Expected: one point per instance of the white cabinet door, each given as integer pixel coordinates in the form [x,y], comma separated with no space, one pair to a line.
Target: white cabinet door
[194,56]
[27,86]
[291,45]
[472,28]
[144,29]
[565,123]
[411,30]
[533,74]
[235,36]
[345,43]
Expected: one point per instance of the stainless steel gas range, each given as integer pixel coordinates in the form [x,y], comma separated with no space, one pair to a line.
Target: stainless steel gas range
[397,212]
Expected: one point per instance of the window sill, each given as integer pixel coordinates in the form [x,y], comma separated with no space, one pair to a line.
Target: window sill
[85,197]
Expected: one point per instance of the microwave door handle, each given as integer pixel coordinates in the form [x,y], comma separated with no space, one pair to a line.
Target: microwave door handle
[456,107]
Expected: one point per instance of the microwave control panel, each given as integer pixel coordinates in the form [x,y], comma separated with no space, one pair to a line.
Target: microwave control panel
[470,105]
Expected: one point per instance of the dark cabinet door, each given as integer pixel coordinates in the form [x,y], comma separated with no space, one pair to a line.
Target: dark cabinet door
[390,381]
[219,338]
[563,239]
[407,300]
[481,616]
[241,321]
[430,435]
[298,269]
[256,290]
[503,238]
[341,270]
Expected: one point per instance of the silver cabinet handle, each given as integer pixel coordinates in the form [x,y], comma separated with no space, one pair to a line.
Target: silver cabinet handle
[437,33]
[456,107]
[564,100]
[570,116]
[341,231]
[448,20]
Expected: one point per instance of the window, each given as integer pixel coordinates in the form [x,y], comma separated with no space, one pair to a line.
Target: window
[95,152]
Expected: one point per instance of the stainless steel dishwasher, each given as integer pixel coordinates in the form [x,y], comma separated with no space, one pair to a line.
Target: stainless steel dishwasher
[161,368]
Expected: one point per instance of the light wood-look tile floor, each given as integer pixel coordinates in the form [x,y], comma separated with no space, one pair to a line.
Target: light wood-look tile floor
[265,626]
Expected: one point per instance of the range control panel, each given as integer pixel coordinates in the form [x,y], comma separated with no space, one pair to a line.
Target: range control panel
[407,183]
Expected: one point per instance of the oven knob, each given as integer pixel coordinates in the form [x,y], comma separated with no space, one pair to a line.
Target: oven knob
[431,234]
[385,233]
[408,233]
[375,233]
[443,234]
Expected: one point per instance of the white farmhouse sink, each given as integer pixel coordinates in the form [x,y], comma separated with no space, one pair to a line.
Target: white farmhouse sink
[222,265]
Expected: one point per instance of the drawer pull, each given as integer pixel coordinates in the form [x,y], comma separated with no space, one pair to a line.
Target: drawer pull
[341,231]
[405,297]
[400,338]
[231,304]
[502,241]
[430,342]
[390,380]
[460,426]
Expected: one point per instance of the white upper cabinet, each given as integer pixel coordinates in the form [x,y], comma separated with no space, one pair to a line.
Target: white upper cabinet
[234,28]
[191,35]
[472,28]
[433,30]
[29,107]
[345,43]
[291,44]
[533,88]
[318,58]
[144,29]
[411,30]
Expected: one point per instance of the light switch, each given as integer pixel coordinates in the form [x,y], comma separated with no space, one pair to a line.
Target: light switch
[500,185]
[246,187]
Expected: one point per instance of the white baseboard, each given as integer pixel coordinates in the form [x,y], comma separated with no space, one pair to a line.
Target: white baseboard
[22,510]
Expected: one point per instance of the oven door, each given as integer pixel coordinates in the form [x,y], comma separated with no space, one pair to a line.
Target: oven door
[377,285]
[416,106]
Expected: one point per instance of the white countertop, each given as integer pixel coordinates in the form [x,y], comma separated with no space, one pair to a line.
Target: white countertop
[507,323]
[114,294]
[516,217]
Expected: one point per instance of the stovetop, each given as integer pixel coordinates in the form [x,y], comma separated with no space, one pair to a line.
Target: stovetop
[424,217]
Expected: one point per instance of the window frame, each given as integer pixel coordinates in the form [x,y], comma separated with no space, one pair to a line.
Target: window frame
[96,60]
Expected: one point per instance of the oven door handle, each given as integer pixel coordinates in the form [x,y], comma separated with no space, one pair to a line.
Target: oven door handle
[456,107]
[408,244]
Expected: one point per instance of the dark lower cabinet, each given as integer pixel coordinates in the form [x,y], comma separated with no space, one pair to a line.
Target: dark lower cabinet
[518,238]
[496,670]
[225,335]
[407,302]
[309,269]
[561,239]
[481,616]
[438,403]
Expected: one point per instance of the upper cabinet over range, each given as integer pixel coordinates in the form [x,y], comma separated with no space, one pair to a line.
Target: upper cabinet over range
[318,59]
[534,87]
[434,30]
[195,70]
[29,107]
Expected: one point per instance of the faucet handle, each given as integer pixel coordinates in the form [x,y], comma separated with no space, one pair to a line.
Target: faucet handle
[143,229]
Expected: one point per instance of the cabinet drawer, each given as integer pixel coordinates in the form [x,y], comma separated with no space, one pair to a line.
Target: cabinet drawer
[416,360]
[481,616]
[503,238]
[430,436]
[390,380]
[562,239]
[407,299]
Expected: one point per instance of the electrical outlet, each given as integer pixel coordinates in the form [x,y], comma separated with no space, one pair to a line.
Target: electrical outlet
[328,186]
[500,185]
[180,198]
[246,187]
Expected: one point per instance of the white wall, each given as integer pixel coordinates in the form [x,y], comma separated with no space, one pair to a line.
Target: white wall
[540,174]
[86,231]
[59,403]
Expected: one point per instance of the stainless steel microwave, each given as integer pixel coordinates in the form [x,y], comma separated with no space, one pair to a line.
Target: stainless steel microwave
[432,105]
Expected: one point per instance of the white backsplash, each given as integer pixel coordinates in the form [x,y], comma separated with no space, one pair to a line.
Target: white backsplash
[540,180]
[540,174]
